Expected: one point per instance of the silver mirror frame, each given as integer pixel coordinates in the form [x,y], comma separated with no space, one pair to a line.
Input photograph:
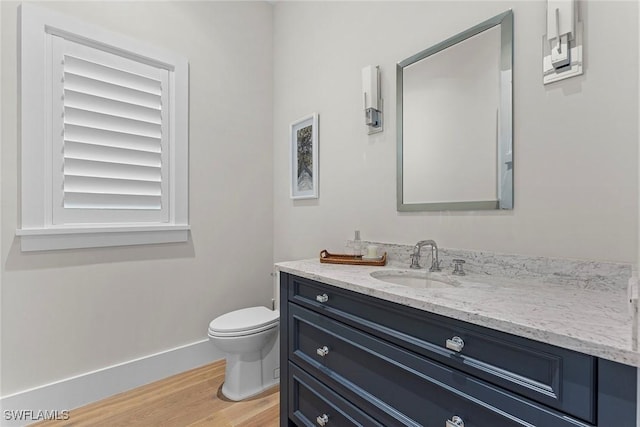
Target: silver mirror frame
[505,143]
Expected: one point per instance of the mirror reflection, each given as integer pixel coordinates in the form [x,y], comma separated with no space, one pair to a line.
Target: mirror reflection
[454,122]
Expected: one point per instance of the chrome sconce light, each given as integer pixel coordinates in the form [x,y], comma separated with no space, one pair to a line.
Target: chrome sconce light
[562,46]
[372,98]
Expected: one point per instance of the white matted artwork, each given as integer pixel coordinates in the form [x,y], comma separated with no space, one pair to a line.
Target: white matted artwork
[304,157]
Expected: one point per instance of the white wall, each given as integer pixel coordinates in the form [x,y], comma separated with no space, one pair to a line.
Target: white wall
[68,312]
[575,142]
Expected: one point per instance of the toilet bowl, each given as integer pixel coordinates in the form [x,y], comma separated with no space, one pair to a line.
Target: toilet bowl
[249,340]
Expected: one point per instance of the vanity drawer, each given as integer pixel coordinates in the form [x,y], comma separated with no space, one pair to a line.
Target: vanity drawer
[559,378]
[313,403]
[398,387]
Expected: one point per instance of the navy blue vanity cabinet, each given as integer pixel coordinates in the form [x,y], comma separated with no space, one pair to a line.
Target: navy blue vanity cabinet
[313,403]
[351,359]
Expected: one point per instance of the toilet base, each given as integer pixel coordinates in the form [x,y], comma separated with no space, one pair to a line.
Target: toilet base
[249,374]
[229,394]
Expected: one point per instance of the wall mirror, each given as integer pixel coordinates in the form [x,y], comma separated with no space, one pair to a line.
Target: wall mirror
[455,137]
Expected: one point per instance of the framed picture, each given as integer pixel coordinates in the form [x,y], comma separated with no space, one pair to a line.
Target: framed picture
[304,158]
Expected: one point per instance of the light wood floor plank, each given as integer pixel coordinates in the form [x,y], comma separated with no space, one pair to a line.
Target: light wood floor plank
[192,399]
[267,418]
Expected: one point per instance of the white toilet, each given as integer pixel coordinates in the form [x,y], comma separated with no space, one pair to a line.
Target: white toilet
[249,339]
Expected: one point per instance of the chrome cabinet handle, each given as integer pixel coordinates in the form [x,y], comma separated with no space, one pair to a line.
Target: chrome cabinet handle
[322,351]
[322,298]
[455,344]
[323,419]
[456,421]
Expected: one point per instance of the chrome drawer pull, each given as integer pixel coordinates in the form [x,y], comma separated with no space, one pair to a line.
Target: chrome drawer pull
[455,344]
[323,351]
[323,419]
[456,421]
[322,298]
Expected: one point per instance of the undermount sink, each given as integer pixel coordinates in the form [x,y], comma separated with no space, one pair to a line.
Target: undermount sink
[413,279]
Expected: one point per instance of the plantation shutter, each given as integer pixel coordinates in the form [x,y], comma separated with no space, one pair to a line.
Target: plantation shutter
[112,137]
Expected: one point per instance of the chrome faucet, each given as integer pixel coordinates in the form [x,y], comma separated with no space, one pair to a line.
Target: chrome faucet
[415,256]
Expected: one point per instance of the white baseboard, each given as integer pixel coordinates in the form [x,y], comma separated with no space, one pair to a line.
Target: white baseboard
[92,386]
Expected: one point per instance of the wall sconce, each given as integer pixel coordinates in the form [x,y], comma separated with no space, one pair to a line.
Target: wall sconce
[372,98]
[562,46]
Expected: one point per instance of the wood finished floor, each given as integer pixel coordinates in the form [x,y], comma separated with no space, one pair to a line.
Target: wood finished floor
[192,398]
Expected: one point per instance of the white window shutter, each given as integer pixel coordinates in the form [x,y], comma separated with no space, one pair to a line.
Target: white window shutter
[104,137]
[112,146]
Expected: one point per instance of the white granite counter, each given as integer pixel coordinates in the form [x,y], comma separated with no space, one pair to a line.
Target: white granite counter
[592,320]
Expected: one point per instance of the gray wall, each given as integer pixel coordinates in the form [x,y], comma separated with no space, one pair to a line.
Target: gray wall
[575,142]
[69,312]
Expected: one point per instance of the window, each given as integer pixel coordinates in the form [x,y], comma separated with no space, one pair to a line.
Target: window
[104,137]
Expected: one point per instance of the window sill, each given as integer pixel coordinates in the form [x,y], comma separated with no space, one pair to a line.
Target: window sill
[76,237]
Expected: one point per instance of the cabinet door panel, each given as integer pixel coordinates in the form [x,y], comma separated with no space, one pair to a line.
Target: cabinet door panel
[312,403]
[399,387]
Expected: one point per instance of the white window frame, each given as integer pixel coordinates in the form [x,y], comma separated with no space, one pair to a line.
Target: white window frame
[37,231]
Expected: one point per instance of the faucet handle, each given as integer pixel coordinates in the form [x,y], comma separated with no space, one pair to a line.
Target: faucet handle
[458,269]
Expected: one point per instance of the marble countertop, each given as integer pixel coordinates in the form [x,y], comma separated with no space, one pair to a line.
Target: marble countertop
[592,321]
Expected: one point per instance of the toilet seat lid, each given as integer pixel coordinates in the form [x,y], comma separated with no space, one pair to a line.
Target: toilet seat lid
[245,319]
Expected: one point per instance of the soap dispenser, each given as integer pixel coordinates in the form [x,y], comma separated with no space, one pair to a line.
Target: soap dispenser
[357,244]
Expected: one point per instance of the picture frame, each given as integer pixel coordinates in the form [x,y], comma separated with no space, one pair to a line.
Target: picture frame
[303,156]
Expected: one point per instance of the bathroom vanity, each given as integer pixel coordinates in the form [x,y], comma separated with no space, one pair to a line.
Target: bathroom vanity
[482,351]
